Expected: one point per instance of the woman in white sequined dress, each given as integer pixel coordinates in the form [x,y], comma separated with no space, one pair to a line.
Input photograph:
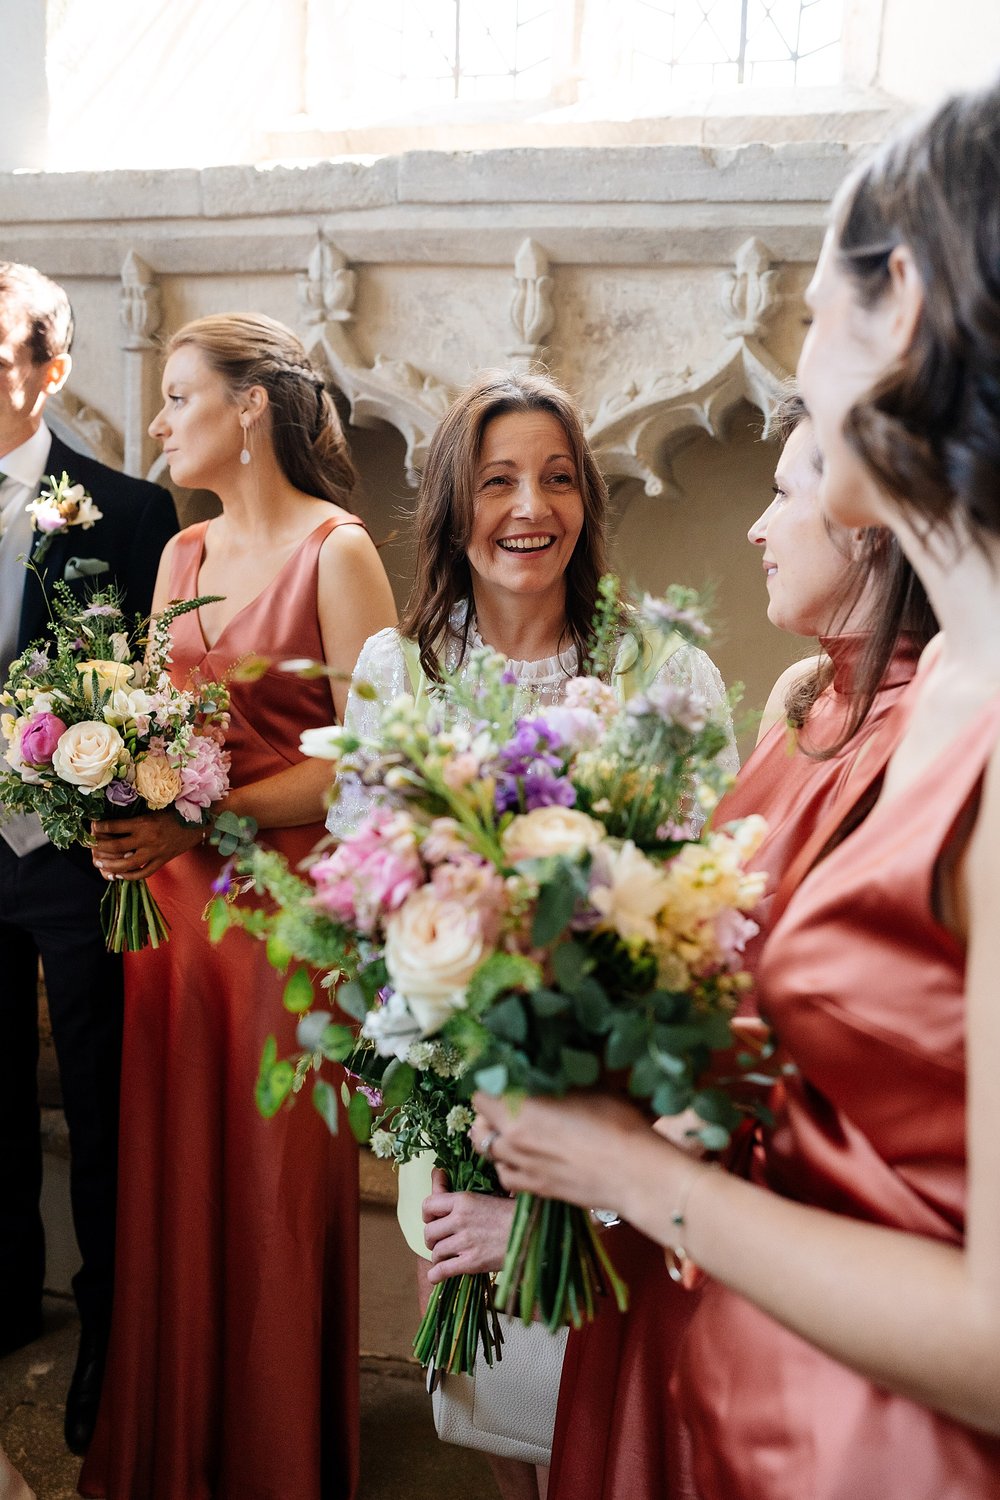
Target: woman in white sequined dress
[511,542]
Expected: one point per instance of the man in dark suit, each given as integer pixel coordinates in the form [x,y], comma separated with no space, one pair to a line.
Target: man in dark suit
[49,900]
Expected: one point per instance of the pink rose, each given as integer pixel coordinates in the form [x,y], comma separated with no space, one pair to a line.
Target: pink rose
[204,778]
[39,738]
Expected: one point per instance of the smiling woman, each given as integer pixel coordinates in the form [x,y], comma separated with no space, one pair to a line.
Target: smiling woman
[511,544]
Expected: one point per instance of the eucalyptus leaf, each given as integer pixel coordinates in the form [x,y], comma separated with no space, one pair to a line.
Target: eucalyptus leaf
[359,1117]
[325,1100]
[556,902]
[508,1020]
[352,1000]
[298,993]
[397,1083]
[580,1068]
[493,1080]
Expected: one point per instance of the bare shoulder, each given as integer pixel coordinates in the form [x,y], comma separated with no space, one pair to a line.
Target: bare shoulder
[774,708]
[348,544]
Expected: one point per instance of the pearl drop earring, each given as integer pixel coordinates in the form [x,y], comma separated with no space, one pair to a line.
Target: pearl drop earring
[245,450]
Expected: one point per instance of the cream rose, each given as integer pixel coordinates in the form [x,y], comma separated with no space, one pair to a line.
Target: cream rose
[87,754]
[432,948]
[157,781]
[550,830]
[110,675]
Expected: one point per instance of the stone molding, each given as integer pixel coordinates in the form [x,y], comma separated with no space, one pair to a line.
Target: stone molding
[397,274]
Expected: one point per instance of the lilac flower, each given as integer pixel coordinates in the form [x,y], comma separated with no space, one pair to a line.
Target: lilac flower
[674,705]
[667,612]
[38,664]
[527,773]
[120,793]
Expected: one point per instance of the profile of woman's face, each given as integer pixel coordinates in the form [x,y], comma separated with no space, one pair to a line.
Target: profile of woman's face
[805,563]
[847,349]
[527,508]
[198,424]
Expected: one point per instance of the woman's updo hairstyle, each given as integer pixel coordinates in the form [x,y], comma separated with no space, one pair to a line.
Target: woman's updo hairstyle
[929,431]
[249,349]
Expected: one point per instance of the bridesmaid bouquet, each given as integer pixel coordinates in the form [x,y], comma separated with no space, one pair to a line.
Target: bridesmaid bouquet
[94,729]
[531,892]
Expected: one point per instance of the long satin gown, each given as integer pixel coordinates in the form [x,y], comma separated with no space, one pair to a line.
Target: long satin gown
[867,990]
[233,1367]
[629,1445]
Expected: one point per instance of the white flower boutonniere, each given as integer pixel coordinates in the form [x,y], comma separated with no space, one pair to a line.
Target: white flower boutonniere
[59,507]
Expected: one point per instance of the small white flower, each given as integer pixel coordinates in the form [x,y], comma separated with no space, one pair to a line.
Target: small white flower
[458,1119]
[383,1143]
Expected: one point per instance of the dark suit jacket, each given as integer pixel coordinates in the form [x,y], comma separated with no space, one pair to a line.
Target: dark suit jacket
[137,522]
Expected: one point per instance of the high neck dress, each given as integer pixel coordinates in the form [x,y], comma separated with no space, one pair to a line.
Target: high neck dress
[867,990]
[633,1447]
[233,1368]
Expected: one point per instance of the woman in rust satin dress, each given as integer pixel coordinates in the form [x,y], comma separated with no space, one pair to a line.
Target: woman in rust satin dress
[634,1448]
[848,1347]
[232,1372]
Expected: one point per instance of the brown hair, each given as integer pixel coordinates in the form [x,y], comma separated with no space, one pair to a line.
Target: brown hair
[902,610]
[44,304]
[929,431]
[249,349]
[446,505]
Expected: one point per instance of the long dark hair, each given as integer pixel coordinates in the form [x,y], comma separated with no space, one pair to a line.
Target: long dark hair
[929,431]
[903,610]
[446,504]
[249,349]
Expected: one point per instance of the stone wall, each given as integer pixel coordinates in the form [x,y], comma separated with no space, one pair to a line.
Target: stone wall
[662,284]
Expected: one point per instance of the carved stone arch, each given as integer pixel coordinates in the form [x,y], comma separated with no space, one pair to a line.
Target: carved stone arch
[636,430]
[85,428]
[389,390]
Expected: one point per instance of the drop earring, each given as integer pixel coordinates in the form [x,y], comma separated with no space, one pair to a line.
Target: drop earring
[245,450]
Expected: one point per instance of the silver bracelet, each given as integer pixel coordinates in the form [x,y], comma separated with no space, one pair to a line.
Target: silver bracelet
[676,1255]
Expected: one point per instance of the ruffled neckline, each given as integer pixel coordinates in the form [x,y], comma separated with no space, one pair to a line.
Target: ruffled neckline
[844,651]
[547,669]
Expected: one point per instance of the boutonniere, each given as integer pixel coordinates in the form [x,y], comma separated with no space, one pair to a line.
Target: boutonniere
[59,507]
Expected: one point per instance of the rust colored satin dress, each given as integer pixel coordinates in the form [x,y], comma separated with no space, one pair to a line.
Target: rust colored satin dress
[233,1367]
[866,989]
[617,1434]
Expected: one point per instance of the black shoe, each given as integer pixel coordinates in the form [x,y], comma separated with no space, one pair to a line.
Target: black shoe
[84,1394]
[14,1336]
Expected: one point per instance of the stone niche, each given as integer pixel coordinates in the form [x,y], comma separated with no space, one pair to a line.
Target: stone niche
[662,284]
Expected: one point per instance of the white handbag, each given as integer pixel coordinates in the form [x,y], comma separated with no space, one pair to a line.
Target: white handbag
[509,1407]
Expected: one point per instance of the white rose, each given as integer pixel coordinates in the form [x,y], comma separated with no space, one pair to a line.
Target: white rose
[550,830]
[87,754]
[432,948]
[636,892]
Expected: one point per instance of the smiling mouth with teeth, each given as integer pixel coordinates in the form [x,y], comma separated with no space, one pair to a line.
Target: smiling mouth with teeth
[526,543]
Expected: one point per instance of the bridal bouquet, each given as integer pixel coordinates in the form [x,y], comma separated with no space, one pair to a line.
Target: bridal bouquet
[93,729]
[531,891]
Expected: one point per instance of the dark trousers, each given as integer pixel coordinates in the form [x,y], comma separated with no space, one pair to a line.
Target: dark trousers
[49,904]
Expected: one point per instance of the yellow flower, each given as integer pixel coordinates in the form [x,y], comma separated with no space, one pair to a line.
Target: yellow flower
[110,675]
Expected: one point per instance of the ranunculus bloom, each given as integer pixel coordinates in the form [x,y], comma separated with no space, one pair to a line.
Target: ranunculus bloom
[204,778]
[88,754]
[550,830]
[110,676]
[432,949]
[39,738]
[157,780]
